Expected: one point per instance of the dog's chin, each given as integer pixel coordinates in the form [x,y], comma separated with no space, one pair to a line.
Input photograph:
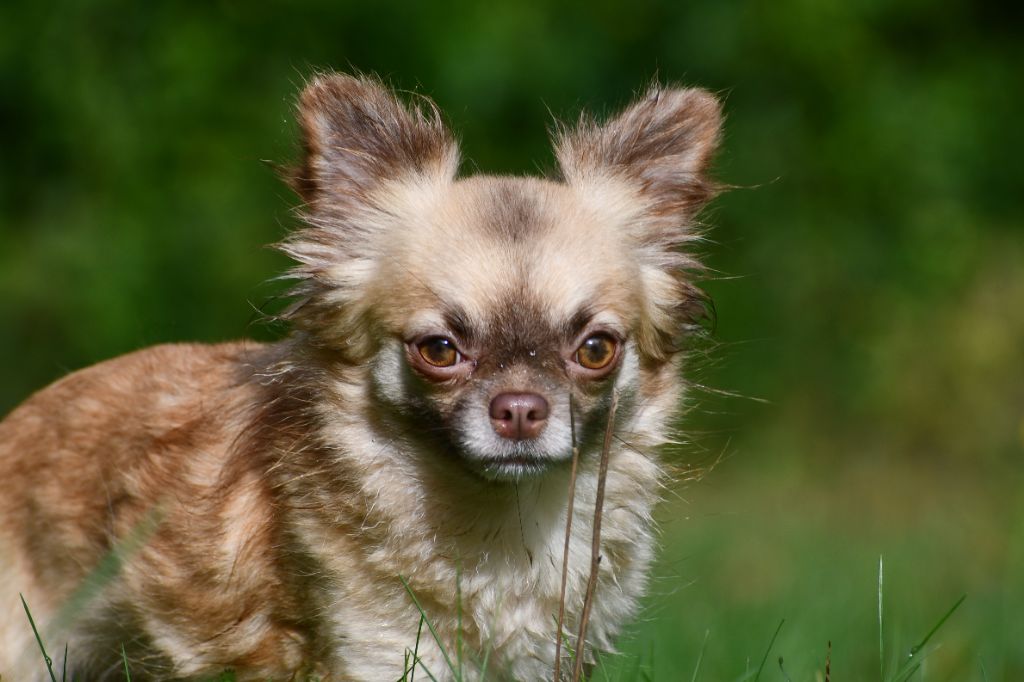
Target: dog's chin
[514,462]
[514,468]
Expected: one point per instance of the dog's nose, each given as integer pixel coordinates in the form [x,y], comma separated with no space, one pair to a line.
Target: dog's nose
[519,416]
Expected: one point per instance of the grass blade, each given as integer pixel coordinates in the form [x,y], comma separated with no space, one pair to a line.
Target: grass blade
[700,656]
[771,643]
[568,534]
[124,657]
[881,639]
[409,672]
[110,565]
[39,640]
[416,650]
[595,543]
[942,621]
[430,626]
[458,604]
[912,664]
[416,660]
[487,659]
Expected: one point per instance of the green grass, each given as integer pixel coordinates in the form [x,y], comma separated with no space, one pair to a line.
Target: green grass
[744,550]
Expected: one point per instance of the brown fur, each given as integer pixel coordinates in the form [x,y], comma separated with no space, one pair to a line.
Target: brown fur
[256,507]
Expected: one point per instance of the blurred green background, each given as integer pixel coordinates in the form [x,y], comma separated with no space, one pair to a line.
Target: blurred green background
[869,269]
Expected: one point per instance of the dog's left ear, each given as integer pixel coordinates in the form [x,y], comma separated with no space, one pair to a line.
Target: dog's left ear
[660,147]
[648,168]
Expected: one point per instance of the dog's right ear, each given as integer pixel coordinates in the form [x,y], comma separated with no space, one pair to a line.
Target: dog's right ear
[360,142]
[356,134]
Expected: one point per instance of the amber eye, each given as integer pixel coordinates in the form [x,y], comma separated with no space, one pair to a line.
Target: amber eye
[438,351]
[596,352]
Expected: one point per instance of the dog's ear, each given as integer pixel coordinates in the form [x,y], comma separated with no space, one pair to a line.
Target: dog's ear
[361,145]
[356,133]
[647,168]
[660,146]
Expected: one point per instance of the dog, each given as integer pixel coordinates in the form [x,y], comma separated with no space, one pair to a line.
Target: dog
[387,487]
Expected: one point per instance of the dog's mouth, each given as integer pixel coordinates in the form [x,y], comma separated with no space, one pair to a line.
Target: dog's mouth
[514,467]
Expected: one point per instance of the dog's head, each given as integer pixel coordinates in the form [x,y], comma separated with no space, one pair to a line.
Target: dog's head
[490,308]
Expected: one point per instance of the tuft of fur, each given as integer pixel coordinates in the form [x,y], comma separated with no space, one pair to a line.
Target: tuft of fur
[258,507]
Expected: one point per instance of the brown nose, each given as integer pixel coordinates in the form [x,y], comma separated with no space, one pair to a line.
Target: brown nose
[519,416]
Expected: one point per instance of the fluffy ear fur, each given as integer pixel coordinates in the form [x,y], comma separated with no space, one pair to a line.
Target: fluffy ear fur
[356,133]
[661,145]
[358,141]
[649,164]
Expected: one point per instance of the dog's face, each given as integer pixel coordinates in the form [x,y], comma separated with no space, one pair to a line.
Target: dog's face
[498,313]
[507,295]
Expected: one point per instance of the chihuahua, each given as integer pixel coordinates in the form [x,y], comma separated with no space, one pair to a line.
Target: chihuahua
[387,488]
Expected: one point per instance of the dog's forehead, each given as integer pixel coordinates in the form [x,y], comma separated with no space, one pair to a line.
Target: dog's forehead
[507,244]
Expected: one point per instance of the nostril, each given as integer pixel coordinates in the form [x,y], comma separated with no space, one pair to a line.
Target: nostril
[501,407]
[538,412]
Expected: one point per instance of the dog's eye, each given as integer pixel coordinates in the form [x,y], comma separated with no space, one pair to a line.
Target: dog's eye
[596,352]
[439,351]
